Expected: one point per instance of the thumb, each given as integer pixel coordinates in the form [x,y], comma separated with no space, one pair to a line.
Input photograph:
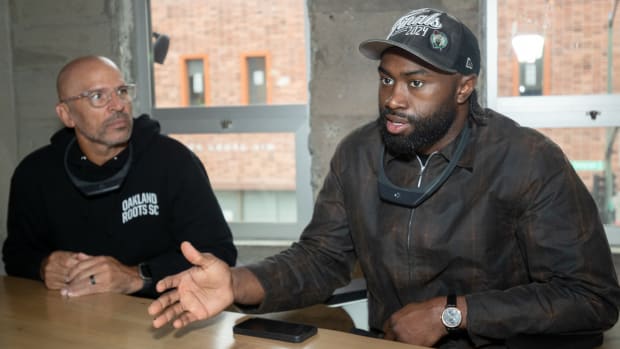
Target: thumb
[82,256]
[192,254]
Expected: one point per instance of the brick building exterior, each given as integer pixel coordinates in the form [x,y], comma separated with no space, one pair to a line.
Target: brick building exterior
[574,63]
[216,32]
[224,33]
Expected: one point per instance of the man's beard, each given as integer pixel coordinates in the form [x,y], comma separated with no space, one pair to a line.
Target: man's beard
[427,130]
[101,136]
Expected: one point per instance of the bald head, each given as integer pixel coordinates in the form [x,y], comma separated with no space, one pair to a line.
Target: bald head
[72,73]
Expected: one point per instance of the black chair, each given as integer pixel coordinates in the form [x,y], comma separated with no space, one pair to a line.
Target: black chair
[353,299]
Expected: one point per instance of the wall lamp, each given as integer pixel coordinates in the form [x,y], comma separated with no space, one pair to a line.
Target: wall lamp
[160,47]
[528,47]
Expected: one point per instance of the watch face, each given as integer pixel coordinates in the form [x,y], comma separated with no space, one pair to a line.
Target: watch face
[451,317]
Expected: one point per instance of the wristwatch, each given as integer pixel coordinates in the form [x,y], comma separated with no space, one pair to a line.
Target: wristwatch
[451,315]
[145,274]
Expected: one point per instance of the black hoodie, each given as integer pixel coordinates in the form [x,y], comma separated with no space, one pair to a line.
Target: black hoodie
[166,198]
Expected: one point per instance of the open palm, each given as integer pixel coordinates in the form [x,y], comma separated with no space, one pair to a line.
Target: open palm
[198,293]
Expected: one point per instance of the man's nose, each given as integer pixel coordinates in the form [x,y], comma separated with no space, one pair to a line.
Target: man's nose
[397,98]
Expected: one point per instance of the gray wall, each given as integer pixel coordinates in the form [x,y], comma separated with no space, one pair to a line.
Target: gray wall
[38,37]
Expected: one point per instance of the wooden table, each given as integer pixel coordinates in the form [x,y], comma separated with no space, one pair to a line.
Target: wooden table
[33,317]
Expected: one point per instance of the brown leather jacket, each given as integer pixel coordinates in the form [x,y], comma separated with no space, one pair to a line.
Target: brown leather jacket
[513,228]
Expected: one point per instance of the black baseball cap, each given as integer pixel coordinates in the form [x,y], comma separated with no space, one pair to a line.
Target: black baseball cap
[435,37]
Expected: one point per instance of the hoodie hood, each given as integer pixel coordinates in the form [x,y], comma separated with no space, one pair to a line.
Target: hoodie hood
[79,169]
[144,129]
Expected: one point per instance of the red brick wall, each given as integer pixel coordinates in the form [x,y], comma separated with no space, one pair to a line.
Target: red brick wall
[225,31]
[260,161]
[576,38]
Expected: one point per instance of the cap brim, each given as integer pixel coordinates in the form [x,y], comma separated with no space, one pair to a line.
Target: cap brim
[374,48]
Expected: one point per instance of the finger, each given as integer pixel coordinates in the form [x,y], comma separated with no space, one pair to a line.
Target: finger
[82,256]
[81,273]
[86,267]
[54,281]
[71,260]
[169,282]
[388,332]
[191,253]
[169,314]
[81,288]
[162,302]
[204,260]
[56,266]
[54,275]
[185,319]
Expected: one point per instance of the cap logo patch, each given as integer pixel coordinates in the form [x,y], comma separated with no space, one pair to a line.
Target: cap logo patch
[469,64]
[416,23]
[439,40]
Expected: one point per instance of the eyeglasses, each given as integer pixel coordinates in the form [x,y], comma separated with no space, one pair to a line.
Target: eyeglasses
[101,97]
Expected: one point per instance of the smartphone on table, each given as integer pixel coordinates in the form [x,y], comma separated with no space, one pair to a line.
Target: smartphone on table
[275,329]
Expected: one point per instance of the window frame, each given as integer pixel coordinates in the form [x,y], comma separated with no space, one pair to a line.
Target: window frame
[183,59]
[547,111]
[233,119]
[245,88]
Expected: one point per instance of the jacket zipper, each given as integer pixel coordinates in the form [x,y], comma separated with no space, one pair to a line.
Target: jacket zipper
[410,225]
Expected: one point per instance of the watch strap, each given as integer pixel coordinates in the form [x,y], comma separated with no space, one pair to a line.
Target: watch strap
[451,300]
[144,271]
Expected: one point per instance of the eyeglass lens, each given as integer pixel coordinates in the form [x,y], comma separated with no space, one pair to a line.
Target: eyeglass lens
[100,98]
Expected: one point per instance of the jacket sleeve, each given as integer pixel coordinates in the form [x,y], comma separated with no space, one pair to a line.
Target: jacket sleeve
[322,260]
[573,287]
[196,217]
[27,242]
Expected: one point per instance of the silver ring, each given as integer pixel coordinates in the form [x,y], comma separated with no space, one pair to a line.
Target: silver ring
[92,279]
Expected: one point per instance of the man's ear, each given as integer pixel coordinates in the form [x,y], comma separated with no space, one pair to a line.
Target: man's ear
[467,84]
[62,110]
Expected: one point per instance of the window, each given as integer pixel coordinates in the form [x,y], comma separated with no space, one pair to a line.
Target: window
[243,110]
[560,80]
[254,176]
[194,84]
[528,59]
[256,81]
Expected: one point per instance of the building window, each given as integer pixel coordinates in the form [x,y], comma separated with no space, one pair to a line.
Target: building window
[253,175]
[255,79]
[529,53]
[530,78]
[258,206]
[194,81]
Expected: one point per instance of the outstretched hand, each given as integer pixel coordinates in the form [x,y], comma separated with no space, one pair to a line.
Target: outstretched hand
[198,293]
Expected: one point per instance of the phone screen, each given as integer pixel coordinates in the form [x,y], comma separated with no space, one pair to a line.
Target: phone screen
[275,329]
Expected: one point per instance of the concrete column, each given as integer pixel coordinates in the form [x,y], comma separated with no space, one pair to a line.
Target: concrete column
[8,122]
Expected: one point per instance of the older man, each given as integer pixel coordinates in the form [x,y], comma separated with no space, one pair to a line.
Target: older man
[104,207]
